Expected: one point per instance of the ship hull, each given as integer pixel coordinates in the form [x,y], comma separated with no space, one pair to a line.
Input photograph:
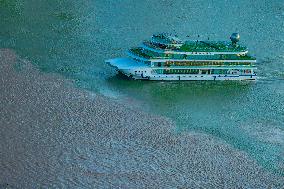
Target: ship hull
[197,77]
[138,71]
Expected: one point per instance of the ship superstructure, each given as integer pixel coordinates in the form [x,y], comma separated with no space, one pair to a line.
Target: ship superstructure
[165,57]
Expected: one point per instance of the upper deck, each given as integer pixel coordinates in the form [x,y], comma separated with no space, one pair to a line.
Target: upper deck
[145,55]
[211,46]
[197,48]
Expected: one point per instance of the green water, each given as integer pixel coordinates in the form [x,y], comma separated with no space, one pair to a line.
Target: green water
[74,38]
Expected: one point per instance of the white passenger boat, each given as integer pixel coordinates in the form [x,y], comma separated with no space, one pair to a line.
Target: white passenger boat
[165,57]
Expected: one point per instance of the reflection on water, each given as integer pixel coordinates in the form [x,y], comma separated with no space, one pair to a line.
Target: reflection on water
[181,93]
[74,38]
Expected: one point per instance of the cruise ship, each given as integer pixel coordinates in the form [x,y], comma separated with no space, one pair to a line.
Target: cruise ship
[165,57]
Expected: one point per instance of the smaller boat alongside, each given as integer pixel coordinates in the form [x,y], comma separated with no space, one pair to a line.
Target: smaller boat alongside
[165,57]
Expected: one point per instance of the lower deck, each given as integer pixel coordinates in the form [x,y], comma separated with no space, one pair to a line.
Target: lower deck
[193,77]
[197,74]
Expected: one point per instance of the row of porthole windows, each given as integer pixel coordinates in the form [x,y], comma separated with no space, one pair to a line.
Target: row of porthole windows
[200,53]
[201,71]
[188,76]
[140,71]
[203,53]
[170,63]
[182,76]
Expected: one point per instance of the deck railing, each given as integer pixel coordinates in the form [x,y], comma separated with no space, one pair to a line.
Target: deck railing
[144,53]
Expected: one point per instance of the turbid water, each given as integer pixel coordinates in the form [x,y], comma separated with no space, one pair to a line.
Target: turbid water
[73,39]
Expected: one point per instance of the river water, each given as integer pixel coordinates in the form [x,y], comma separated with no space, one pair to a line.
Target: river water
[73,38]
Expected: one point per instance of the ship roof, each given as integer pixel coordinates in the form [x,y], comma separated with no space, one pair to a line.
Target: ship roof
[196,47]
[211,46]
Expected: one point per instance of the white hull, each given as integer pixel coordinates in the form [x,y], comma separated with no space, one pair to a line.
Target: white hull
[146,75]
[139,71]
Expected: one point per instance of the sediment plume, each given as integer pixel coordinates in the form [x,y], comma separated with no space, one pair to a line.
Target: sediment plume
[55,135]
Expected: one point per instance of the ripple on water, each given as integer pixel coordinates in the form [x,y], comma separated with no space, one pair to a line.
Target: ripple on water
[73,39]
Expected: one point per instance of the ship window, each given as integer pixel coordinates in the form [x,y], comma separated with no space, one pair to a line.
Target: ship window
[203,71]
